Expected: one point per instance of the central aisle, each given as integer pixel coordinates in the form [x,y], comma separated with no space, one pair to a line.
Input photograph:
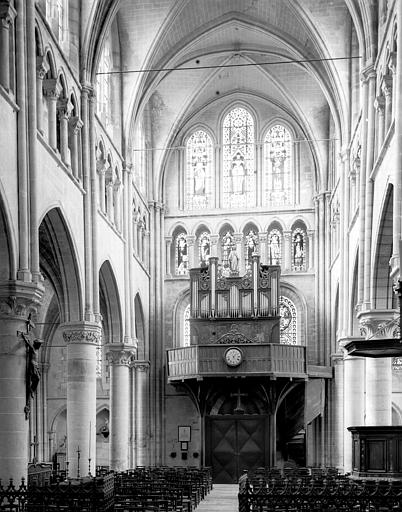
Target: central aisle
[222,498]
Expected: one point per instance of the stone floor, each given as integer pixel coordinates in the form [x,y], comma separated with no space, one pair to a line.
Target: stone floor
[222,498]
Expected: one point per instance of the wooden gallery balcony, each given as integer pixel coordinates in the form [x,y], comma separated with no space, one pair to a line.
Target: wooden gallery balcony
[234,327]
[200,361]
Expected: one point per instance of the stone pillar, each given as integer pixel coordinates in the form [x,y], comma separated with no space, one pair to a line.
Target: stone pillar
[287,250]
[141,411]
[386,88]
[139,239]
[214,245]
[263,238]
[17,301]
[81,338]
[110,205]
[75,128]
[310,254]
[64,109]
[190,239]
[7,16]
[117,187]
[337,423]
[120,357]
[42,67]
[52,90]
[354,403]
[168,245]
[102,185]
[375,325]
[379,105]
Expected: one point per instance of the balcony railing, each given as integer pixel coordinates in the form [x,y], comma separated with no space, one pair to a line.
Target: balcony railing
[199,361]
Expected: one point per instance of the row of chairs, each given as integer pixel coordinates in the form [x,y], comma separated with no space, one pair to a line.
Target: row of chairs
[161,489]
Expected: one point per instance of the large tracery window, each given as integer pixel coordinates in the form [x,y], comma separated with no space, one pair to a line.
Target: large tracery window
[103,83]
[278,166]
[199,171]
[186,327]
[238,159]
[288,323]
[181,263]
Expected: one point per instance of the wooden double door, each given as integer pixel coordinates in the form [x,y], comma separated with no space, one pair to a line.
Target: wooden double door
[235,443]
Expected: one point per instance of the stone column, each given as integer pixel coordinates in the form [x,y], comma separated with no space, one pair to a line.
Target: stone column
[168,245]
[120,357]
[7,16]
[386,88]
[102,186]
[379,105]
[139,239]
[52,90]
[287,250]
[75,128]
[17,301]
[375,325]
[263,239]
[64,109]
[214,245]
[337,423]
[110,205]
[310,254]
[117,187]
[82,338]
[141,411]
[353,403]
[42,67]
[190,239]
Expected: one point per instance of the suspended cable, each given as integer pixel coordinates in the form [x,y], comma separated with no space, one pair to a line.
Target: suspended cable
[220,66]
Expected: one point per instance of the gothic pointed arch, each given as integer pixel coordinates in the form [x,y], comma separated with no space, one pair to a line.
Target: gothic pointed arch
[110,305]
[383,296]
[58,262]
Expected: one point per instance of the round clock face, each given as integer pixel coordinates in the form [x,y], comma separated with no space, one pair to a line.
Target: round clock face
[233,356]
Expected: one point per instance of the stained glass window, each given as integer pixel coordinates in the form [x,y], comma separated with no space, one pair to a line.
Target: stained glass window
[275,247]
[181,255]
[238,159]
[186,327]
[227,247]
[278,166]
[199,152]
[103,83]
[251,247]
[298,250]
[204,248]
[288,322]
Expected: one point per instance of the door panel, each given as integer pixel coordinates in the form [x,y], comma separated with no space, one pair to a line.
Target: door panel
[234,443]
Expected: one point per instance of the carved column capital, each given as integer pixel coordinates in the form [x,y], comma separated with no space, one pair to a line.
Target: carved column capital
[368,73]
[81,333]
[52,88]
[120,354]
[287,235]
[392,62]
[379,105]
[263,236]
[42,66]
[190,239]
[141,366]
[386,85]
[7,13]
[64,108]
[19,300]
[378,324]
[76,124]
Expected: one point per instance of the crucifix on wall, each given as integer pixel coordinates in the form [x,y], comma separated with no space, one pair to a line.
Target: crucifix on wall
[238,409]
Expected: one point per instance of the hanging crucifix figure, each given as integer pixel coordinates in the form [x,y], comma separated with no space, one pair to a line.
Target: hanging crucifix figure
[32,365]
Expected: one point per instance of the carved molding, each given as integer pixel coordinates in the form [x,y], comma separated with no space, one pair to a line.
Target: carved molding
[85,333]
[20,300]
[234,336]
[120,354]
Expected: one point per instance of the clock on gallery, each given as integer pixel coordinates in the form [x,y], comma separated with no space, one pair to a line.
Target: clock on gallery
[233,356]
